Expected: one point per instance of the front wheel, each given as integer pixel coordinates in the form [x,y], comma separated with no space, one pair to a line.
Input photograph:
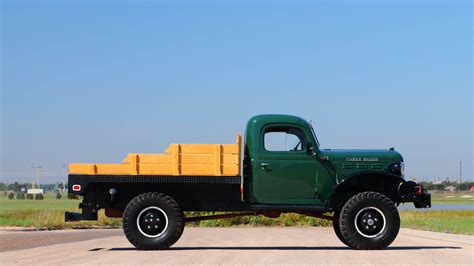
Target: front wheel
[337,229]
[153,221]
[369,220]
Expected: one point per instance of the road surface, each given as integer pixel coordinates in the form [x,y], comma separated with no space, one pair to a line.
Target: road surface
[242,245]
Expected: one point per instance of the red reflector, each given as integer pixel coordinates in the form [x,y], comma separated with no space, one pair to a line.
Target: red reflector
[76,187]
[420,189]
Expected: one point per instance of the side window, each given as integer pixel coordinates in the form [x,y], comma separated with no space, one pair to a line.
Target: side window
[284,139]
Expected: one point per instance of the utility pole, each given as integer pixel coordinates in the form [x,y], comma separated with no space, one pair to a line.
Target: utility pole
[64,172]
[36,168]
[460,172]
[64,176]
[33,178]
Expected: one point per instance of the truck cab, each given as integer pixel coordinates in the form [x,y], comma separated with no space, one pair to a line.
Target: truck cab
[283,169]
[282,163]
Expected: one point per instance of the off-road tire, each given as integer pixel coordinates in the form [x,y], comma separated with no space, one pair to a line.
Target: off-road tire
[369,204]
[172,230]
[337,229]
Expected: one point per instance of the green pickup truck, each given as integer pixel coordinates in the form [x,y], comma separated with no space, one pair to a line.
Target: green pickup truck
[283,170]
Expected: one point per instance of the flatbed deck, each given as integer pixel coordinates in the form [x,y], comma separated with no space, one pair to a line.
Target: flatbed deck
[178,160]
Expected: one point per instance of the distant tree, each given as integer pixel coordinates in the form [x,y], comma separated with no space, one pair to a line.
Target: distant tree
[59,196]
[48,187]
[465,186]
[14,186]
[11,195]
[39,196]
[20,196]
[3,186]
[61,186]
[29,196]
[439,187]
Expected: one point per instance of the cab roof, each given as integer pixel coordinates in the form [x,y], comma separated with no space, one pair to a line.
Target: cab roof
[276,118]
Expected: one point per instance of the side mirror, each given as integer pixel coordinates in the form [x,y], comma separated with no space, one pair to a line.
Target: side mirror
[310,149]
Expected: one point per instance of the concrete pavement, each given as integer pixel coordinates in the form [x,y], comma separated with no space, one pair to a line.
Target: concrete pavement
[235,245]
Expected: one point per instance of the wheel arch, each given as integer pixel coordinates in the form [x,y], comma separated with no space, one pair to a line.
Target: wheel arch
[381,182]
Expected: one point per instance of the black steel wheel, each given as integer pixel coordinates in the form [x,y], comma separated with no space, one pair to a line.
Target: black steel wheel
[337,229]
[369,220]
[153,221]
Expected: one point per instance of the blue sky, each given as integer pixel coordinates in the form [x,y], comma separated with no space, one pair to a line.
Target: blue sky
[88,81]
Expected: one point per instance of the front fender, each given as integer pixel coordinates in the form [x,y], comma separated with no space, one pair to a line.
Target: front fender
[382,182]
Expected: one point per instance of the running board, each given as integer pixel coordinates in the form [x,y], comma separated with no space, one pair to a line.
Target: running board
[218,216]
[288,208]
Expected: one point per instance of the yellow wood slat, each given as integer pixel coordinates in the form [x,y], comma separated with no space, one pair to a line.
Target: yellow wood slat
[134,164]
[230,169]
[230,159]
[113,169]
[155,158]
[218,160]
[150,158]
[208,158]
[176,159]
[199,169]
[127,159]
[230,149]
[239,151]
[204,148]
[185,158]
[79,168]
[156,169]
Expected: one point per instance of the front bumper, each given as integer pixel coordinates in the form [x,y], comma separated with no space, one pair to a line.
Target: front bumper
[420,197]
[423,200]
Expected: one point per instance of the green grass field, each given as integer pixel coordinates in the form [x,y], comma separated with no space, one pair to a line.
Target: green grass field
[49,203]
[452,198]
[457,222]
[49,214]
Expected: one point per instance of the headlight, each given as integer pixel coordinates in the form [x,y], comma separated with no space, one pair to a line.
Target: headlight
[397,168]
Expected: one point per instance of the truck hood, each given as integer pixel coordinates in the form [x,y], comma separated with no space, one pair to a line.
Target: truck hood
[362,155]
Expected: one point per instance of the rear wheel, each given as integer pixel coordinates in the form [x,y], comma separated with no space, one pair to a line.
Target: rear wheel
[153,221]
[369,220]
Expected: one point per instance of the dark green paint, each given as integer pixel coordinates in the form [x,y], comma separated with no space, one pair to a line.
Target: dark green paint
[302,177]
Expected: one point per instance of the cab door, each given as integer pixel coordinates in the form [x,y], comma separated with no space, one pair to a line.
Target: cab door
[287,171]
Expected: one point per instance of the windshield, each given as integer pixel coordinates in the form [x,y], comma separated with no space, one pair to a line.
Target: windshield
[314,135]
